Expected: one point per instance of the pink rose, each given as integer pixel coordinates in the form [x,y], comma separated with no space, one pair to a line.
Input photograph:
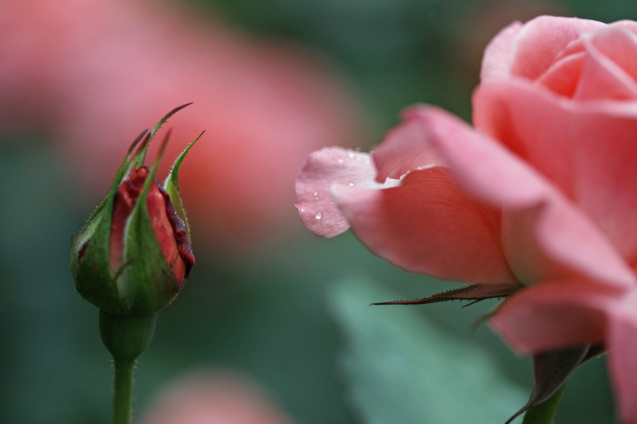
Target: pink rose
[542,191]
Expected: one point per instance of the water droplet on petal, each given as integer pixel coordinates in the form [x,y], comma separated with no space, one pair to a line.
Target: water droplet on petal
[316,195]
[351,184]
[351,155]
[319,215]
[341,161]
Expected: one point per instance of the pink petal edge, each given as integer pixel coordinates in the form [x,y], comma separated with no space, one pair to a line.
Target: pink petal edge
[496,61]
[323,168]
[542,39]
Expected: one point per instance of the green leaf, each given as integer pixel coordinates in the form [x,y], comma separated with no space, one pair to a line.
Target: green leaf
[401,368]
[171,185]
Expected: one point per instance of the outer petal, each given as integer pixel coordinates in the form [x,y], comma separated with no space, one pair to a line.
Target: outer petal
[545,237]
[541,40]
[499,53]
[622,341]
[427,225]
[586,149]
[556,314]
[323,168]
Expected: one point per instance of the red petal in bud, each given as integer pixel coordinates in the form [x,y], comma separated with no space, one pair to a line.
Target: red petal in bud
[181,237]
[168,228]
[125,201]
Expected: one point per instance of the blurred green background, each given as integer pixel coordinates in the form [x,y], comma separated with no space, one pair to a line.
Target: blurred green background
[284,314]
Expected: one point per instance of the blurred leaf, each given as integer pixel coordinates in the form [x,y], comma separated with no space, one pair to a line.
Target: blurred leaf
[403,369]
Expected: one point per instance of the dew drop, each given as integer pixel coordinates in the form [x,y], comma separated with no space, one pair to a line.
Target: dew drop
[316,195]
[351,155]
[319,215]
[341,161]
[351,184]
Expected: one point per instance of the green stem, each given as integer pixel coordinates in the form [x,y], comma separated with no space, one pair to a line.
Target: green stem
[125,337]
[544,412]
[123,392]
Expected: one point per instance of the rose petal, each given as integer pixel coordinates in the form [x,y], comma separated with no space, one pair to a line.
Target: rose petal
[498,54]
[554,315]
[323,168]
[563,76]
[602,75]
[541,40]
[404,148]
[427,225]
[623,351]
[545,237]
[585,149]
[619,44]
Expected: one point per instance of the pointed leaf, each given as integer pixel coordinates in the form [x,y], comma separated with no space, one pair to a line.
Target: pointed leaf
[171,185]
[551,369]
[474,292]
[142,157]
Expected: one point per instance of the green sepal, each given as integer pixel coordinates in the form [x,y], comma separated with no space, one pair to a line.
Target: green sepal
[171,185]
[473,292]
[551,369]
[92,275]
[146,283]
[142,157]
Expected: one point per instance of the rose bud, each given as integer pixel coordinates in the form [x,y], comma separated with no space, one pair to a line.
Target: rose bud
[133,253]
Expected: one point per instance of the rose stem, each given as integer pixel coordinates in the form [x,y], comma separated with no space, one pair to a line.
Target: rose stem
[544,412]
[123,391]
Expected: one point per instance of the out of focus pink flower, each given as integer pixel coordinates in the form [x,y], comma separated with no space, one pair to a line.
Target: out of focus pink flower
[542,192]
[210,398]
[90,73]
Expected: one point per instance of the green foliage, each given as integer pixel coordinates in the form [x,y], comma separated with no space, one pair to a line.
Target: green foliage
[401,368]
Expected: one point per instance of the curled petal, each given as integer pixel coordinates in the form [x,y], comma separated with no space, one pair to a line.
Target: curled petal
[544,235]
[584,148]
[323,168]
[427,225]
